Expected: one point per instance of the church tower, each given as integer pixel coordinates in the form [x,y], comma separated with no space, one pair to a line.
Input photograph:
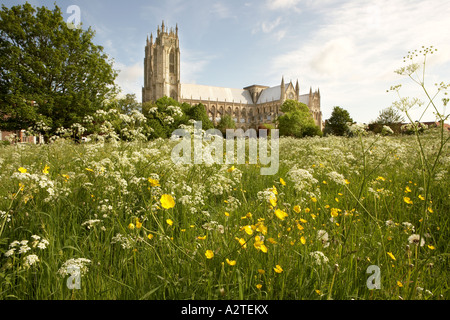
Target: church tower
[162,66]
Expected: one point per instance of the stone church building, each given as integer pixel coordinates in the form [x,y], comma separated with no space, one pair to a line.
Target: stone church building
[249,107]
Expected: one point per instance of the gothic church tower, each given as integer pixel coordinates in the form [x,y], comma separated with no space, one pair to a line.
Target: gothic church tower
[162,66]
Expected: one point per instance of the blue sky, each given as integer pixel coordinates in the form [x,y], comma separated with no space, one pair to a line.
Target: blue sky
[347,49]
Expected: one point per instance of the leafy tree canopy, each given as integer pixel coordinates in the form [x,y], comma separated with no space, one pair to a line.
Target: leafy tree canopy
[338,123]
[226,122]
[48,71]
[297,121]
[198,112]
[389,116]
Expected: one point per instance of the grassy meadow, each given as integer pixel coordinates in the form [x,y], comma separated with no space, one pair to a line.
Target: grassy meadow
[137,226]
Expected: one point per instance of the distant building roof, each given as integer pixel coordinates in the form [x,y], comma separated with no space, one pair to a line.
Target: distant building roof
[304,98]
[202,92]
[270,94]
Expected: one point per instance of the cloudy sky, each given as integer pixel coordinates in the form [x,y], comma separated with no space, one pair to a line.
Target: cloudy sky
[347,49]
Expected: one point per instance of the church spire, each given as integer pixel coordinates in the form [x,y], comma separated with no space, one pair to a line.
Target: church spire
[283,89]
[297,90]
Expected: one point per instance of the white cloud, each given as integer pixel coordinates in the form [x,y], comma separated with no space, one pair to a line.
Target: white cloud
[334,57]
[282,4]
[353,53]
[270,28]
[222,11]
[130,78]
[193,63]
[267,27]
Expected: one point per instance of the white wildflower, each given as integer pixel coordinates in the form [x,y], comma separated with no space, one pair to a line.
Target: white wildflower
[336,177]
[10,252]
[31,259]
[319,257]
[416,239]
[322,236]
[71,265]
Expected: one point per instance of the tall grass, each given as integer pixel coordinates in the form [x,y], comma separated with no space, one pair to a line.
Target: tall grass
[109,183]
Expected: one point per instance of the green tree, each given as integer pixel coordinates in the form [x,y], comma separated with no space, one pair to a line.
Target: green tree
[297,121]
[198,112]
[389,116]
[49,72]
[128,104]
[226,122]
[338,123]
[164,116]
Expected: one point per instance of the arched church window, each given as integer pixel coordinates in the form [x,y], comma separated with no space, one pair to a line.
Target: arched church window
[172,62]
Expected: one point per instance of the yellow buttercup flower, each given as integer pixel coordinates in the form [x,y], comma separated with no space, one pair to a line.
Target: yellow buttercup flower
[227,214]
[431,247]
[167,201]
[278,269]
[231,169]
[259,245]
[138,224]
[154,182]
[334,212]
[150,236]
[209,254]
[399,284]
[303,240]
[131,226]
[407,189]
[280,214]
[169,222]
[261,271]
[313,199]
[391,255]
[22,170]
[201,238]
[297,209]
[259,286]
[273,201]
[282,182]
[274,190]
[261,228]
[407,200]
[231,262]
[242,242]
[45,170]
[248,229]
